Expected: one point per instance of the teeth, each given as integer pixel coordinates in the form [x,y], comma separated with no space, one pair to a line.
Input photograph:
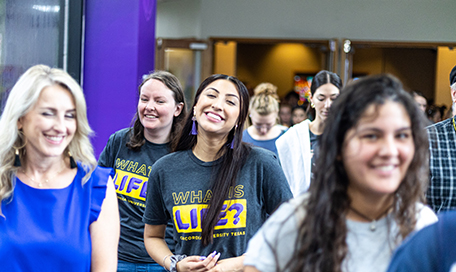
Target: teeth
[386,168]
[54,138]
[214,116]
[150,116]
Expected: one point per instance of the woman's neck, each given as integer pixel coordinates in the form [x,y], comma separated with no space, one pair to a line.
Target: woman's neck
[317,126]
[366,209]
[207,148]
[157,136]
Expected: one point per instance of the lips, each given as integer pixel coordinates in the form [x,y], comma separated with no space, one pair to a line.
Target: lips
[148,116]
[55,139]
[214,116]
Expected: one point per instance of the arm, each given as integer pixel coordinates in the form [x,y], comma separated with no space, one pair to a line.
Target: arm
[105,233]
[249,268]
[235,264]
[154,240]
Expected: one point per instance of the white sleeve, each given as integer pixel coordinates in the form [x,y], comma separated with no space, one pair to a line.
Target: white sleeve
[425,216]
[271,248]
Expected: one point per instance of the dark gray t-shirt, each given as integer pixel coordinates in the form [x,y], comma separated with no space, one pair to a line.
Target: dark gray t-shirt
[132,173]
[178,188]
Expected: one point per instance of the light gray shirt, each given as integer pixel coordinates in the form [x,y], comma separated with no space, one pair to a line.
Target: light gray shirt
[272,246]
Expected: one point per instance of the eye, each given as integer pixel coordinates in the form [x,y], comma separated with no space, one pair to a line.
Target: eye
[160,101]
[403,135]
[232,103]
[70,115]
[370,136]
[47,113]
[143,99]
[210,95]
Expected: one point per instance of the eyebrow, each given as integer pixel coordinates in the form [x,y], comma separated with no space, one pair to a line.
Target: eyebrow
[212,88]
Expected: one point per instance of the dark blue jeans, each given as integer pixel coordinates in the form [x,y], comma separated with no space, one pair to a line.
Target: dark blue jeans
[123,266]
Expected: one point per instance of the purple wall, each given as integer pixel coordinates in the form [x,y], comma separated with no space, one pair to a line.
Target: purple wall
[119,49]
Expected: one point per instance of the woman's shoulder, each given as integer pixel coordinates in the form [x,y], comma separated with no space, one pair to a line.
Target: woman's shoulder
[425,216]
[261,155]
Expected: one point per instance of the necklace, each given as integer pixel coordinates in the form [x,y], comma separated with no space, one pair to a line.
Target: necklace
[373,222]
[40,184]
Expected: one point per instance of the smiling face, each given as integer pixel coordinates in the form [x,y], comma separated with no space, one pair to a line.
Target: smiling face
[323,98]
[156,109]
[50,125]
[217,109]
[378,151]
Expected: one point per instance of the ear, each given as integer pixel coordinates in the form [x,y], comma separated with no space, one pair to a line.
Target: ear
[179,108]
[453,95]
[19,123]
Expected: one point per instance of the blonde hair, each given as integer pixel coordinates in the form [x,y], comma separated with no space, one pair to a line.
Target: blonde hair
[264,101]
[22,98]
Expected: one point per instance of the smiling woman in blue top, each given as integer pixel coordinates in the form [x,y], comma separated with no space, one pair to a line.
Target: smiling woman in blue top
[59,209]
[217,190]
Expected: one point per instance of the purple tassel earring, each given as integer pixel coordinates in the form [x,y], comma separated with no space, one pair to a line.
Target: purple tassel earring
[232,143]
[194,131]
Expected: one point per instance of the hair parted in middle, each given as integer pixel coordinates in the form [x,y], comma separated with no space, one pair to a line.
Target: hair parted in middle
[321,244]
[231,159]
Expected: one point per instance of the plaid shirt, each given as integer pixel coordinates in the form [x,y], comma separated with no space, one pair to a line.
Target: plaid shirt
[441,194]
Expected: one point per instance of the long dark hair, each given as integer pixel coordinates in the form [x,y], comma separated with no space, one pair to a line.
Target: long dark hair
[321,244]
[321,78]
[137,139]
[231,159]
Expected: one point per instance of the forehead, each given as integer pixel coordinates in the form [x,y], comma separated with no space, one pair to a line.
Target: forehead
[55,95]
[263,119]
[327,89]
[223,86]
[155,87]
[388,115]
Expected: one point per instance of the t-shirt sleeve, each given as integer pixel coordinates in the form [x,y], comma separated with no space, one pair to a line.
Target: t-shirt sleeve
[275,186]
[98,181]
[271,248]
[155,213]
[418,253]
[107,156]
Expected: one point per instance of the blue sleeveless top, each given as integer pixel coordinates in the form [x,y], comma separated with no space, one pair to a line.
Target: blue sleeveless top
[48,229]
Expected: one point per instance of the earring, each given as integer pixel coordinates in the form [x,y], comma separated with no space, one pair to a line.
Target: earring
[17,159]
[234,137]
[312,104]
[194,131]
[72,162]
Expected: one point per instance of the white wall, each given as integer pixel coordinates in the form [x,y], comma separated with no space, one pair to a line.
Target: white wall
[395,20]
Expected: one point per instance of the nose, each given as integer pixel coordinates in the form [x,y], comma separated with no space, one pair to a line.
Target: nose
[389,147]
[59,124]
[328,103]
[150,106]
[217,104]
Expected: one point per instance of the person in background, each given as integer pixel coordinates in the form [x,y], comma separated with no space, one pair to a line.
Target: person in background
[291,98]
[217,189]
[298,114]
[368,189]
[441,194]
[420,100]
[434,114]
[58,208]
[285,115]
[263,114]
[298,147]
[132,152]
